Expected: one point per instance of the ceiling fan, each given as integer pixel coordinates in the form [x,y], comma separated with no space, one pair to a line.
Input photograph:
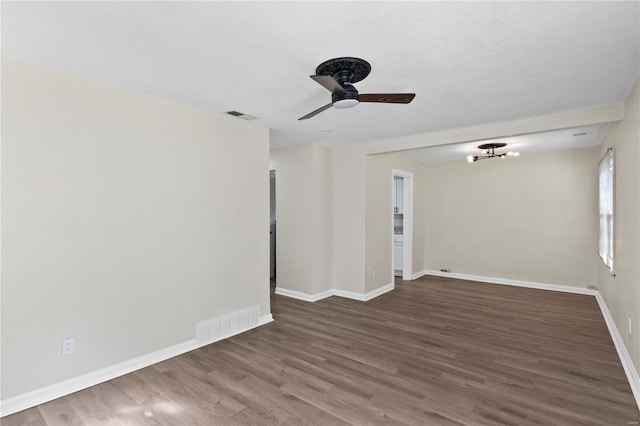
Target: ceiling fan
[338,75]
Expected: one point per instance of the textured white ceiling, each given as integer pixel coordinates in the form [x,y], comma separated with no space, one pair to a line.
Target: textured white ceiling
[468,62]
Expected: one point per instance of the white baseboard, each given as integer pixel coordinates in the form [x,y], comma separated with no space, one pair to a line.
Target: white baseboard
[625,358]
[303,296]
[40,396]
[623,354]
[57,390]
[507,281]
[362,297]
[379,291]
[418,275]
[265,319]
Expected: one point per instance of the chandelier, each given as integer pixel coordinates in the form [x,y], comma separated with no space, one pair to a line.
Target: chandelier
[489,151]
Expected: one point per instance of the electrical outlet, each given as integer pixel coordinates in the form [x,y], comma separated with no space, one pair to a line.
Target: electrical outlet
[67,346]
[629,323]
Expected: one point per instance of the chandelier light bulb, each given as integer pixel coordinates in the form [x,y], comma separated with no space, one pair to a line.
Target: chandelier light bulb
[470,158]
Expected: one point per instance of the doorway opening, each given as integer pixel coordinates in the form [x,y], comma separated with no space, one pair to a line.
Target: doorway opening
[272,227]
[402,225]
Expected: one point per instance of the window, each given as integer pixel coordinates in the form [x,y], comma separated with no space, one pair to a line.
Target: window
[606,208]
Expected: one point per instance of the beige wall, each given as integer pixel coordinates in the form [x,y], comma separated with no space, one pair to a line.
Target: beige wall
[532,218]
[378,213]
[322,228]
[360,247]
[349,175]
[622,293]
[349,168]
[304,212]
[126,219]
[293,210]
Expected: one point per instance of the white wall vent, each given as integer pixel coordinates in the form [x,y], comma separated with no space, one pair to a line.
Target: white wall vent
[227,325]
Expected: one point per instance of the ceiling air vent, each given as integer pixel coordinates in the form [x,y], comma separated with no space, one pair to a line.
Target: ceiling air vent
[241,115]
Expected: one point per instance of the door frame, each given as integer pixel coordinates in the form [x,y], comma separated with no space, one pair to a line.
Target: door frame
[272,224]
[407,223]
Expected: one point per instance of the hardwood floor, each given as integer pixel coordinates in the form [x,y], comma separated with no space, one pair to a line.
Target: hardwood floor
[435,351]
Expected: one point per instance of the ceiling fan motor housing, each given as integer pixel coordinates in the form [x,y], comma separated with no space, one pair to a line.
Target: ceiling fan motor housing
[345,71]
[352,93]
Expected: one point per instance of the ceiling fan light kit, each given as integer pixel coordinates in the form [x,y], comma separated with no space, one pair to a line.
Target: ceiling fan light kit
[489,151]
[345,103]
[338,75]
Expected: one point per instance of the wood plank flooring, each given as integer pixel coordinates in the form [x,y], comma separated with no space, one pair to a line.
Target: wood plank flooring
[435,351]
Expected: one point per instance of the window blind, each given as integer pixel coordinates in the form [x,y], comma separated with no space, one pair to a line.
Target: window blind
[606,208]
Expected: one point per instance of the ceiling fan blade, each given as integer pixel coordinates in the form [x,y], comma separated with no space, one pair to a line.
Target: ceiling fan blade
[388,98]
[316,112]
[330,84]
